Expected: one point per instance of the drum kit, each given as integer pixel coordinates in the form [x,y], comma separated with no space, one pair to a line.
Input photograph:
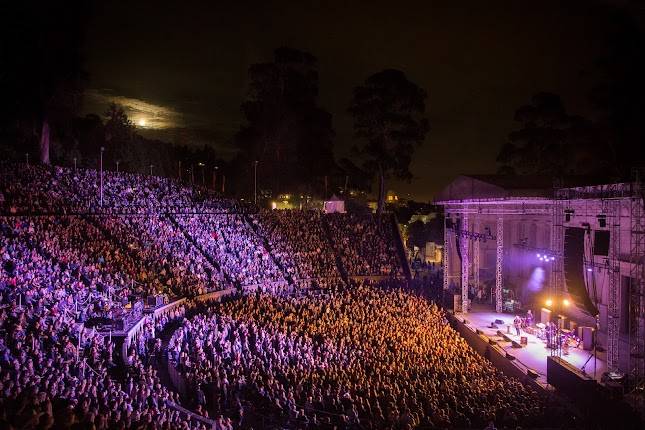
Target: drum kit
[551,334]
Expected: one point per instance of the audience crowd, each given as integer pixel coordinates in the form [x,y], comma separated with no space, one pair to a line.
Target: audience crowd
[230,240]
[299,242]
[360,357]
[302,345]
[365,244]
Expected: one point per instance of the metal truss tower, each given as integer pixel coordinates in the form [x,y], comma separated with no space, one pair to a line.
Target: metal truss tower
[446,255]
[613,304]
[637,285]
[476,255]
[465,265]
[557,248]
[499,264]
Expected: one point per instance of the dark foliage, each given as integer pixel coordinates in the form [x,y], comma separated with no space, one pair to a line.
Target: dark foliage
[389,118]
[285,130]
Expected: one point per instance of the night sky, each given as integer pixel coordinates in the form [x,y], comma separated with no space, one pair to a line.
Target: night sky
[184,67]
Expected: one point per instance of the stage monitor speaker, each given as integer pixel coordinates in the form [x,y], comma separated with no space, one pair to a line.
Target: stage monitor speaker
[532,373]
[498,321]
[574,242]
[601,242]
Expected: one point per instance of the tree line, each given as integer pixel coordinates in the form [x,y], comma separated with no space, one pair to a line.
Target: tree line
[287,131]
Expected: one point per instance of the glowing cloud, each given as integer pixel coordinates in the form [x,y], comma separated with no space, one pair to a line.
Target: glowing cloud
[142,113]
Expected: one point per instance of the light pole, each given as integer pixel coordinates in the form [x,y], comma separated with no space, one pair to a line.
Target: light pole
[151,166]
[74,163]
[101,169]
[27,157]
[215,176]
[255,183]
[200,164]
[117,166]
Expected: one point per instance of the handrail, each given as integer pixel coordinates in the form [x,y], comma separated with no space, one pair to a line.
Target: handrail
[191,415]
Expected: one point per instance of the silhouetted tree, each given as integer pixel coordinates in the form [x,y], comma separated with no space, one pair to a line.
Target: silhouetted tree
[285,129]
[389,119]
[41,78]
[550,141]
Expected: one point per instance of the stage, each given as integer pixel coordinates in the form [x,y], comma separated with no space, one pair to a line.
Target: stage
[534,355]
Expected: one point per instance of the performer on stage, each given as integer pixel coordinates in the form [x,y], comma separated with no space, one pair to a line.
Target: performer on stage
[529,318]
[517,322]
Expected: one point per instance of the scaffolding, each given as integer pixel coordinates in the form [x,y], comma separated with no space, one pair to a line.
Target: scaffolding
[446,254]
[613,304]
[476,256]
[499,265]
[637,285]
[557,249]
[465,265]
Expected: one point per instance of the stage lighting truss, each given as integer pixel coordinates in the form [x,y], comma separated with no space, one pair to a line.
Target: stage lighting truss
[472,235]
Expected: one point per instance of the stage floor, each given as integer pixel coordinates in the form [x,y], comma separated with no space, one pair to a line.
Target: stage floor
[532,356]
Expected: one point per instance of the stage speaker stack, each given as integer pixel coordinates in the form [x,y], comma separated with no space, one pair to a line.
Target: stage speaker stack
[574,270]
[573,326]
[545,315]
[457,303]
[587,336]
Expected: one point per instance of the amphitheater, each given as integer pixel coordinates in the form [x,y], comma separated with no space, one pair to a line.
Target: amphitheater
[147,303]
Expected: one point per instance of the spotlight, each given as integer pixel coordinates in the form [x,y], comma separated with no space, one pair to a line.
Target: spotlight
[549,302]
[539,255]
[589,269]
[565,302]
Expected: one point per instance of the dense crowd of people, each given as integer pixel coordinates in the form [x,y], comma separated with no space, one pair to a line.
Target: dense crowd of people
[55,374]
[36,189]
[231,241]
[360,357]
[304,343]
[299,242]
[365,244]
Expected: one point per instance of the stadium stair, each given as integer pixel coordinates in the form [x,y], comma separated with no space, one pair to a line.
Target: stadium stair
[269,249]
[398,239]
[339,262]
[206,255]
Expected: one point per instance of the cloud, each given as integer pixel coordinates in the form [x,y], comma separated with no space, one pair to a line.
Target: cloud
[154,116]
